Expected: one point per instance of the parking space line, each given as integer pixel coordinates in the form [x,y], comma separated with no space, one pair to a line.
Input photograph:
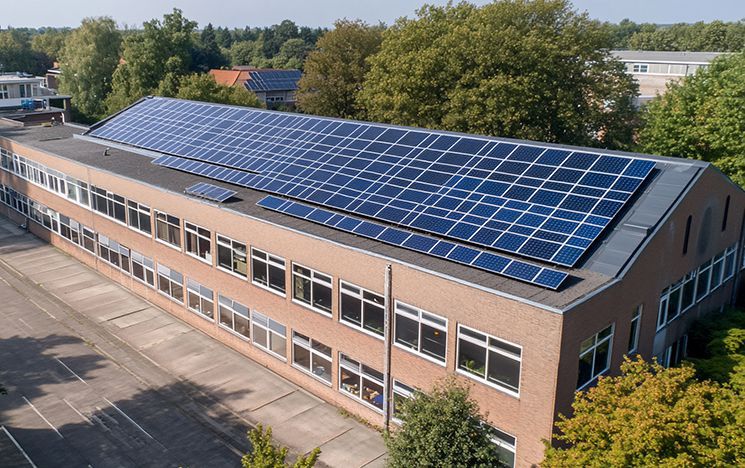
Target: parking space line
[128,418]
[42,417]
[18,446]
[71,371]
[79,413]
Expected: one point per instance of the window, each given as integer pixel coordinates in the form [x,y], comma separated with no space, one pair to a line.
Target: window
[421,332]
[687,236]
[143,269]
[703,282]
[361,308]
[168,229]
[674,354]
[109,204]
[717,271]
[360,382]
[89,240]
[114,253]
[231,256]
[634,330]
[268,270]
[5,157]
[730,258]
[506,445]
[726,214]
[489,359]
[670,304]
[200,299]
[139,217]
[401,392]
[77,191]
[689,291]
[198,242]
[311,288]
[269,334]
[311,356]
[641,68]
[4,94]
[594,356]
[171,283]
[234,316]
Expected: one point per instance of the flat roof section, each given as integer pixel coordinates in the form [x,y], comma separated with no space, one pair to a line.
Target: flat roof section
[666,56]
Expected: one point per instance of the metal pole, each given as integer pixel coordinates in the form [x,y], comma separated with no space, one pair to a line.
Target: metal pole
[387,329]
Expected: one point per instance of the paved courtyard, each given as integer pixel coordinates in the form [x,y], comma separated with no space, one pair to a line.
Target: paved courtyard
[96,376]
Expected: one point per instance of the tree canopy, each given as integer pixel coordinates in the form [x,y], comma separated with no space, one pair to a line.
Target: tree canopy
[335,70]
[652,416]
[717,348]
[202,87]
[441,428]
[87,61]
[702,117]
[512,68]
[264,454]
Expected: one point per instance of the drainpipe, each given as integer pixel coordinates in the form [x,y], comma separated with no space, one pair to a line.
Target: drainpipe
[387,332]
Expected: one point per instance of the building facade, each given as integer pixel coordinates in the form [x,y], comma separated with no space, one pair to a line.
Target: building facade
[653,70]
[23,95]
[311,302]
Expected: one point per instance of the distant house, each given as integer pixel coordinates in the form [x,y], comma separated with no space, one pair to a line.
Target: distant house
[653,70]
[272,87]
[26,98]
[53,76]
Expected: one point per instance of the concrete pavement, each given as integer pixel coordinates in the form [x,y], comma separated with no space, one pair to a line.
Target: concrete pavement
[75,342]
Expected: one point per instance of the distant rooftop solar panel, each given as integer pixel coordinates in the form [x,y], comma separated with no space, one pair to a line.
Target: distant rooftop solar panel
[273,80]
[511,268]
[528,199]
[210,192]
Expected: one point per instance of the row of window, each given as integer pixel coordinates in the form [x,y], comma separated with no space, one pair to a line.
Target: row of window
[696,285]
[664,68]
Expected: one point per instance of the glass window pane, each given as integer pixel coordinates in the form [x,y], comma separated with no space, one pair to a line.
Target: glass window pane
[351,309]
[434,341]
[301,357]
[374,318]
[241,325]
[407,332]
[322,297]
[504,370]
[259,336]
[472,358]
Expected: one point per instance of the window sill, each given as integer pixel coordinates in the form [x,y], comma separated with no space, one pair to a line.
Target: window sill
[361,329]
[233,332]
[271,290]
[197,257]
[270,352]
[421,355]
[360,400]
[231,272]
[313,309]
[501,389]
[307,372]
[167,244]
[200,314]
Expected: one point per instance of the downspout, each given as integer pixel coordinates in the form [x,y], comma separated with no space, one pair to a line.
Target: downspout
[387,332]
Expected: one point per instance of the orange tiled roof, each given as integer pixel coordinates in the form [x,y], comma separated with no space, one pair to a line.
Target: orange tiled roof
[229,77]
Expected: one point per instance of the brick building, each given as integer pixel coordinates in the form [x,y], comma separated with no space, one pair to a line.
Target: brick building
[302,286]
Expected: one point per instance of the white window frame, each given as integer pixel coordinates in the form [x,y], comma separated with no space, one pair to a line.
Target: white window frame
[134,221]
[230,244]
[316,278]
[112,201]
[147,265]
[634,331]
[4,91]
[204,296]
[489,348]
[359,293]
[499,440]
[309,344]
[233,308]
[402,390]
[422,317]
[196,231]
[271,260]
[172,277]
[640,68]
[271,330]
[346,362]
[168,223]
[592,349]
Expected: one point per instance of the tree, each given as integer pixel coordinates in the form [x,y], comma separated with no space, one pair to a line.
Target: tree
[441,428]
[717,348]
[265,455]
[652,416]
[15,52]
[87,61]
[513,68]
[291,54]
[702,117]
[334,72]
[149,55]
[50,43]
[207,54]
[203,87]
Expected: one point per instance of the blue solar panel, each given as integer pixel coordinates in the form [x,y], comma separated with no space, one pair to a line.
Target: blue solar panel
[210,192]
[538,202]
[273,80]
[516,269]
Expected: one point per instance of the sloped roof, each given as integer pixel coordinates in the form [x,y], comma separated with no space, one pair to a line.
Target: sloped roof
[229,77]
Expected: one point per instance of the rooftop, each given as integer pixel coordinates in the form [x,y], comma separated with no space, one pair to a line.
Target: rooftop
[605,260]
[666,56]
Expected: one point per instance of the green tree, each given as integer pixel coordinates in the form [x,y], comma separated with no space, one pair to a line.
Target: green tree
[652,416]
[441,428]
[50,43]
[87,61]
[149,55]
[202,87]
[702,117]
[15,52]
[291,54]
[265,454]
[717,348]
[207,54]
[334,72]
[513,68]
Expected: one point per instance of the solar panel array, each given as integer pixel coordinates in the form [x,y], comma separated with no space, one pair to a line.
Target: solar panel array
[483,260]
[273,80]
[535,201]
[210,192]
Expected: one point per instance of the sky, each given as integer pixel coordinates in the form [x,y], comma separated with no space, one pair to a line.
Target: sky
[238,13]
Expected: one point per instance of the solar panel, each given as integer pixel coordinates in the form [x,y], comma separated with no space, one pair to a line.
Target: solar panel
[210,192]
[535,201]
[273,80]
[493,263]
